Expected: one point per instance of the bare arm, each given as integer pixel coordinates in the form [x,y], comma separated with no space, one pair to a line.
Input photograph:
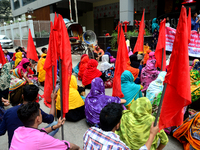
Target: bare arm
[58,125]
[160,147]
[27,79]
[53,98]
[153,132]
[123,101]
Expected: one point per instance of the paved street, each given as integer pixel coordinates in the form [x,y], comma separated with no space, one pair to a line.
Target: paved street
[73,132]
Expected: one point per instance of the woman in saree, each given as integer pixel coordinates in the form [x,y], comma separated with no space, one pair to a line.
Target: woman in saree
[135,126]
[83,65]
[18,80]
[149,73]
[96,100]
[156,86]
[76,104]
[188,133]
[90,73]
[130,89]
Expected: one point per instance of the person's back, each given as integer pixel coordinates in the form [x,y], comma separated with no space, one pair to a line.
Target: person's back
[30,137]
[96,138]
[26,138]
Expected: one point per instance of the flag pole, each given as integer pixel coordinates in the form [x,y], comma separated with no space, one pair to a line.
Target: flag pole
[143,33]
[53,88]
[61,96]
[160,105]
[162,59]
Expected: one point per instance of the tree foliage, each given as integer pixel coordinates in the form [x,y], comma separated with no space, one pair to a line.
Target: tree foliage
[5,9]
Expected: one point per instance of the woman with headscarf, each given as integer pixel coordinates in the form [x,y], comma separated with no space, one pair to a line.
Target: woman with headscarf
[135,63]
[193,63]
[18,58]
[130,89]
[90,73]
[188,133]
[18,80]
[108,70]
[76,104]
[135,71]
[42,72]
[155,31]
[156,86]
[83,65]
[96,100]
[149,73]
[146,57]
[135,126]
[43,56]
[5,81]
[7,56]
[108,52]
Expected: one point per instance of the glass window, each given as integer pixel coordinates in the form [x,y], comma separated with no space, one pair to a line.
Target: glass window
[16,4]
[5,38]
[25,2]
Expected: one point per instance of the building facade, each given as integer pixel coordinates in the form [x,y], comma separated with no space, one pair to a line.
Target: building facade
[101,16]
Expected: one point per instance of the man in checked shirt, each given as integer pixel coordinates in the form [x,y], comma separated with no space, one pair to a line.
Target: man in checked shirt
[105,138]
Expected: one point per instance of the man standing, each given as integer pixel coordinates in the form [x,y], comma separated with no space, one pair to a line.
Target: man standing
[195,22]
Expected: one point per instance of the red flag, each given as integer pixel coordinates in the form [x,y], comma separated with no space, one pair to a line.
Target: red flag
[64,53]
[51,60]
[140,40]
[178,93]
[31,51]
[189,24]
[120,64]
[2,57]
[160,46]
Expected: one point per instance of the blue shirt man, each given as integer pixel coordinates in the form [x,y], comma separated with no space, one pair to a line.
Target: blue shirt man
[195,22]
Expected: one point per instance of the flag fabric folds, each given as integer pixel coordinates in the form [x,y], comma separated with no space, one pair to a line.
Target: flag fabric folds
[160,46]
[31,50]
[177,94]
[50,62]
[189,24]
[64,53]
[120,64]
[2,57]
[140,40]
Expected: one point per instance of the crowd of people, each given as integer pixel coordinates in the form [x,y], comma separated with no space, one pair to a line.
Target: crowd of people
[114,123]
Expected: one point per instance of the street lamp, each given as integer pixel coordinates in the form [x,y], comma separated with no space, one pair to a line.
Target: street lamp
[11,21]
[4,23]
[29,16]
[19,19]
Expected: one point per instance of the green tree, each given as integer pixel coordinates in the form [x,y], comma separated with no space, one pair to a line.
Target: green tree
[5,9]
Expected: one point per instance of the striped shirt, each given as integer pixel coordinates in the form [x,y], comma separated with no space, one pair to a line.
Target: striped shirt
[97,139]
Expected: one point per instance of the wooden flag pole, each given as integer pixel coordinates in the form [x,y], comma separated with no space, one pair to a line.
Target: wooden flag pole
[162,59]
[53,78]
[61,97]
[160,105]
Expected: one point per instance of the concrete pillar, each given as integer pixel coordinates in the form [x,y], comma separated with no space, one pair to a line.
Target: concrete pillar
[126,10]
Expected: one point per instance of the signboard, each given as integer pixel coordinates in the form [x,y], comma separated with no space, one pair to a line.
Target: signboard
[193,46]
